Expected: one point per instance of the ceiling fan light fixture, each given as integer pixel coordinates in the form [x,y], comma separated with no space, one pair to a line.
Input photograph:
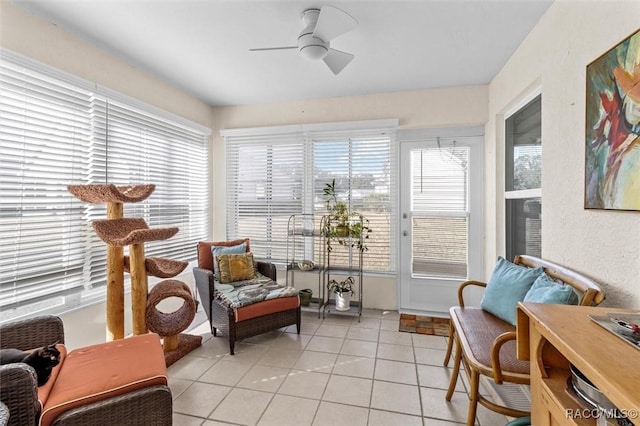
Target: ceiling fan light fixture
[311,47]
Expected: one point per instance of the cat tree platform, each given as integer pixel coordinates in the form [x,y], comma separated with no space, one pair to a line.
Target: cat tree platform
[159,267]
[130,231]
[98,194]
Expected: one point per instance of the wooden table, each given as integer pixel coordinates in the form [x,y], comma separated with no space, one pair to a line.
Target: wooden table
[554,336]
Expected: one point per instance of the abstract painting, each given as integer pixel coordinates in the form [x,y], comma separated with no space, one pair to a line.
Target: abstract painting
[612,165]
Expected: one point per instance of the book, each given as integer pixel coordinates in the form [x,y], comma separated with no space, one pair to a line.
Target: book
[625,326]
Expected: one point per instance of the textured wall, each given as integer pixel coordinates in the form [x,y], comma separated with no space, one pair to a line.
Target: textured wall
[604,245]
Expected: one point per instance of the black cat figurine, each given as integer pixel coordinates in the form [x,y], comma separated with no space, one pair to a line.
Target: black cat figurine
[42,360]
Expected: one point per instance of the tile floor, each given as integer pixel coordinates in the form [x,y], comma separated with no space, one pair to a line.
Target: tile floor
[337,371]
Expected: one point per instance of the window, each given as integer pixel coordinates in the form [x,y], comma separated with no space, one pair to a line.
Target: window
[57,130]
[275,174]
[523,180]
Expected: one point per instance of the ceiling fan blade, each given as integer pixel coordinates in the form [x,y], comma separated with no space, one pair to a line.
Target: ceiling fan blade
[333,22]
[259,49]
[337,60]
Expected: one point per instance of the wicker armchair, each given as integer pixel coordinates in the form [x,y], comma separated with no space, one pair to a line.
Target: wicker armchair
[19,392]
[228,320]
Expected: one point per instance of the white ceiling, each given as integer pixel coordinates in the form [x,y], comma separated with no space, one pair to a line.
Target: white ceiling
[202,46]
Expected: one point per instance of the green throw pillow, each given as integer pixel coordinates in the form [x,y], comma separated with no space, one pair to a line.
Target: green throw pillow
[216,250]
[546,290]
[508,285]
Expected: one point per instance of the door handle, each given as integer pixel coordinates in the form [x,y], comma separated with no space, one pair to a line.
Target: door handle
[405,233]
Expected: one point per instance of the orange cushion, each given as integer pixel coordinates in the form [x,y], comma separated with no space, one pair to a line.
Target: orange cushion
[45,390]
[205,258]
[105,370]
[266,307]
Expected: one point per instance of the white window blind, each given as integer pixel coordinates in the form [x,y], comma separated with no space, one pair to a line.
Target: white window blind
[439,201]
[45,129]
[265,185]
[53,133]
[271,176]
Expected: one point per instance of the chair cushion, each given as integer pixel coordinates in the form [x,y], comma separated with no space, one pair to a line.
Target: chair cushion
[220,250]
[205,258]
[507,286]
[98,372]
[477,329]
[266,307]
[546,290]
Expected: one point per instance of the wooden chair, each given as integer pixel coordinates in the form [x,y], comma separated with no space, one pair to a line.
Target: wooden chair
[486,345]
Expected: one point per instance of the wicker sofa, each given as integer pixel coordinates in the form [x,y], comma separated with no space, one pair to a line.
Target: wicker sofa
[147,402]
[240,323]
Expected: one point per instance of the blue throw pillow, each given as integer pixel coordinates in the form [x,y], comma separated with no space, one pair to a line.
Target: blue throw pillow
[216,250]
[508,285]
[546,290]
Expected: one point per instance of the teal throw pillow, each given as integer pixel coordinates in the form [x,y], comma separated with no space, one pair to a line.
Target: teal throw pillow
[508,285]
[216,250]
[546,290]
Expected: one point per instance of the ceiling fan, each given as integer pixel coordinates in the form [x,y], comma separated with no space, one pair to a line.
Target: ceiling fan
[320,27]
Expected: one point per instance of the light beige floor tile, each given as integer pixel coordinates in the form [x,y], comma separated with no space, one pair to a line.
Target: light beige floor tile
[429,341]
[486,417]
[246,352]
[289,411]
[278,357]
[178,386]
[436,406]
[366,322]
[372,313]
[200,399]
[359,348]
[395,352]
[190,367]
[182,420]
[367,334]
[264,338]
[436,422]
[355,366]
[390,325]
[391,315]
[340,415]
[226,373]
[325,344]
[343,320]
[304,384]
[264,378]
[215,423]
[430,356]
[386,418]
[306,327]
[292,341]
[396,397]
[437,377]
[316,361]
[215,347]
[329,330]
[348,390]
[395,338]
[395,371]
[243,406]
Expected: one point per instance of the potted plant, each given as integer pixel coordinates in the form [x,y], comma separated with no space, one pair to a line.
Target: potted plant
[343,290]
[344,226]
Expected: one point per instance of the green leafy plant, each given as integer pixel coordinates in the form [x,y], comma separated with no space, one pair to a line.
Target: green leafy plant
[346,286]
[343,226]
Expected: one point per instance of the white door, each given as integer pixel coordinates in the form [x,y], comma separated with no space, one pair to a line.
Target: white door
[441,194]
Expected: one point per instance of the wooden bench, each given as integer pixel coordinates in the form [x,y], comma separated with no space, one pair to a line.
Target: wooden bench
[487,345]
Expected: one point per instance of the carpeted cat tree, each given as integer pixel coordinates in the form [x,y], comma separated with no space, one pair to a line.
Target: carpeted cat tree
[118,232]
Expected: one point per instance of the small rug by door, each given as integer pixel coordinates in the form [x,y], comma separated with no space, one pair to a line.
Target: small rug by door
[424,325]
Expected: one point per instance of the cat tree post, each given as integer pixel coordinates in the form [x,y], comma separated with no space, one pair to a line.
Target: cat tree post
[115,281]
[139,288]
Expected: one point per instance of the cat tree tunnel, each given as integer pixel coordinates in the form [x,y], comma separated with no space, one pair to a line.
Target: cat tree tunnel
[117,232]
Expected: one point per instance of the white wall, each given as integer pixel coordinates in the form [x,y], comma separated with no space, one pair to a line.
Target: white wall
[604,245]
[447,107]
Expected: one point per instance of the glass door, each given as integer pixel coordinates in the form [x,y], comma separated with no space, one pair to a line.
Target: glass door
[441,220]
